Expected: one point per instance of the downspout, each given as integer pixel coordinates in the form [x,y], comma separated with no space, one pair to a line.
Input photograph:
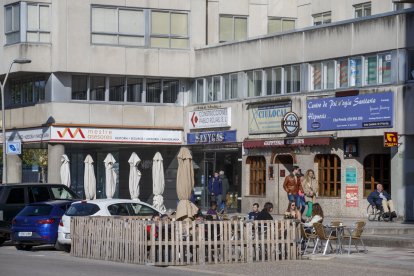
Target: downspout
[206,22]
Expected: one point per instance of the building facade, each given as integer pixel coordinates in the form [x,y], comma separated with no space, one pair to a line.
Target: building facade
[219,76]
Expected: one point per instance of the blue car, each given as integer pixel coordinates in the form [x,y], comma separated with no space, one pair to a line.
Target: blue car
[37,223]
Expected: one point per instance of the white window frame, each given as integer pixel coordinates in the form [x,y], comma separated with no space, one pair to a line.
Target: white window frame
[323,15]
[363,7]
[39,31]
[282,19]
[169,36]
[13,31]
[233,26]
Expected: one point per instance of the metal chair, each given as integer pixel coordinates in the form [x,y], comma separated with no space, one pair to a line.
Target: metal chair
[355,233]
[320,232]
[306,237]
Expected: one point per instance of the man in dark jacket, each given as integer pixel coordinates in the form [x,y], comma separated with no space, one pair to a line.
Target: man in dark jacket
[215,188]
[379,197]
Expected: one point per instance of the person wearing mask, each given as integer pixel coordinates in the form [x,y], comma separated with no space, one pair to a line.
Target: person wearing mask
[265,214]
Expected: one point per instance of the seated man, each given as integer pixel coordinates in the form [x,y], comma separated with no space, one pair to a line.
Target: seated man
[379,197]
[255,211]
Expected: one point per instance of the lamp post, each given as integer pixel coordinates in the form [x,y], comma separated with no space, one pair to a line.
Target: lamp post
[3,114]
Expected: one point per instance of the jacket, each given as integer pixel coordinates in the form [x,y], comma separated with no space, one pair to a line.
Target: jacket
[215,186]
[292,184]
[310,186]
[264,215]
[375,199]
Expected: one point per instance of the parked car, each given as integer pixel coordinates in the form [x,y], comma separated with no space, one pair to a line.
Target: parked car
[37,224]
[14,197]
[101,207]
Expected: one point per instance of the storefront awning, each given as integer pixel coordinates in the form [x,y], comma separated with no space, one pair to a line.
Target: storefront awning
[286,142]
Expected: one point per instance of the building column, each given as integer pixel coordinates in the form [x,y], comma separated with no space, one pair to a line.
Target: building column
[14,169]
[54,153]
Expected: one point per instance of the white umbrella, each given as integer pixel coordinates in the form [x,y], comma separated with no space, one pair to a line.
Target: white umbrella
[158,182]
[134,176]
[65,170]
[110,176]
[89,180]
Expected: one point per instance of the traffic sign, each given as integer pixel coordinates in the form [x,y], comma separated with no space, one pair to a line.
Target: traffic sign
[390,139]
[14,148]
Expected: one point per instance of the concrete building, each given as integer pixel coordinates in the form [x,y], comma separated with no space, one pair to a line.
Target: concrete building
[119,76]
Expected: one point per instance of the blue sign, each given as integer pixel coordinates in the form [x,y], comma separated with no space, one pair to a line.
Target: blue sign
[213,137]
[354,112]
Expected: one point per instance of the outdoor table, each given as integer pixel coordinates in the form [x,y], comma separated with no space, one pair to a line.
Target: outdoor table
[339,230]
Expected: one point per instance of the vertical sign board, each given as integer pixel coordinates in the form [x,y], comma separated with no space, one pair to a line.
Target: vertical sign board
[390,139]
[351,196]
[350,175]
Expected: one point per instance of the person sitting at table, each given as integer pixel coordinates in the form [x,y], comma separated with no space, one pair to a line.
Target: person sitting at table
[317,215]
[265,213]
[213,209]
[155,219]
[255,211]
[165,218]
[292,212]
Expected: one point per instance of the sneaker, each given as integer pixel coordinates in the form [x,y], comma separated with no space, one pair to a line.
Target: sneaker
[386,215]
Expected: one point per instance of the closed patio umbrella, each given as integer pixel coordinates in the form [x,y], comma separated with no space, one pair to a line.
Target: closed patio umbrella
[89,180]
[134,176]
[158,182]
[185,184]
[110,176]
[65,170]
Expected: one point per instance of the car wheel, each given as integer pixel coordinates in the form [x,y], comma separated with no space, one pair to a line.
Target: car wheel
[23,247]
[62,247]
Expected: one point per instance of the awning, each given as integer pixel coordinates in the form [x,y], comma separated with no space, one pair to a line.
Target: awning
[286,142]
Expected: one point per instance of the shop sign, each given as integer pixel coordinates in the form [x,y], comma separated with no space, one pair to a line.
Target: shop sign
[351,196]
[209,118]
[29,135]
[290,142]
[267,118]
[354,112]
[111,135]
[390,139]
[350,175]
[213,137]
[290,124]
[14,148]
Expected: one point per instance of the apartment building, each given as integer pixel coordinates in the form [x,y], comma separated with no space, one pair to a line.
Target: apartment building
[251,86]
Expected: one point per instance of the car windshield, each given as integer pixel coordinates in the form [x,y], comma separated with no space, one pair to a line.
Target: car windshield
[36,210]
[142,210]
[63,192]
[82,209]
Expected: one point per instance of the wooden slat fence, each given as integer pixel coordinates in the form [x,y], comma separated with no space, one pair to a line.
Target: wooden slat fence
[131,240]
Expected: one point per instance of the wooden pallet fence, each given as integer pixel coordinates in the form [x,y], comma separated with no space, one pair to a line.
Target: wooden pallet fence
[132,240]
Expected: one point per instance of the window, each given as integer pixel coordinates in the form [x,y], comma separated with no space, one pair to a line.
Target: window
[38,23]
[12,23]
[153,94]
[362,10]
[28,90]
[232,28]
[273,81]
[169,30]
[342,73]
[82,209]
[292,78]
[254,79]
[371,70]
[322,18]
[119,209]
[118,26]
[384,68]
[316,76]
[16,196]
[36,210]
[213,88]
[277,25]
[134,90]
[79,87]
[410,61]
[257,180]
[38,194]
[355,71]
[97,88]
[198,96]
[329,175]
[323,75]
[116,89]
[62,193]
[170,91]
[141,210]
[376,170]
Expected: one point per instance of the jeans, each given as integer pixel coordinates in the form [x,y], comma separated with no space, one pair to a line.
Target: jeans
[295,198]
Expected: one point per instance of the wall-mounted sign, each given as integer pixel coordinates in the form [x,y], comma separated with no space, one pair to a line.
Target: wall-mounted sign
[351,196]
[289,142]
[350,175]
[111,135]
[290,124]
[14,148]
[354,112]
[29,135]
[267,118]
[390,139]
[351,148]
[212,137]
[209,118]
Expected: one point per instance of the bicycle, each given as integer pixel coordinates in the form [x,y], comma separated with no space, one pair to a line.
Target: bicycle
[376,213]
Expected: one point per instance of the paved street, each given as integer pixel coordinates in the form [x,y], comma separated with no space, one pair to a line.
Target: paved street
[46,261]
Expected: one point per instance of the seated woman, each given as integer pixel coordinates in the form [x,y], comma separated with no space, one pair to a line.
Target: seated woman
[317,215]
[213,209]
[265,213]
[292,212]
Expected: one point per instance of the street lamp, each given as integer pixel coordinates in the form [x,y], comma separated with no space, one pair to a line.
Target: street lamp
[3,114]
